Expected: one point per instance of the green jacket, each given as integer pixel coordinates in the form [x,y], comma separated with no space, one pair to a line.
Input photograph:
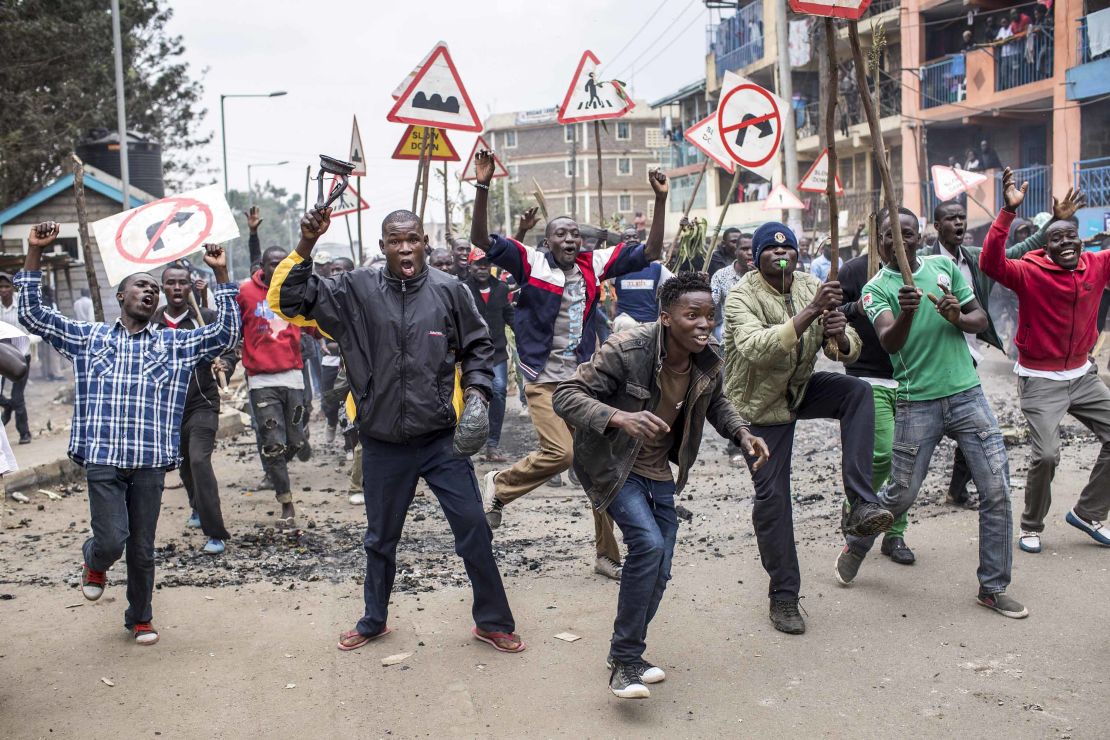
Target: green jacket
[982,284]
[767,366]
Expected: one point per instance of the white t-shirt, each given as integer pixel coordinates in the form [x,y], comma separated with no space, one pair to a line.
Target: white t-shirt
[286,379]
[1079,372]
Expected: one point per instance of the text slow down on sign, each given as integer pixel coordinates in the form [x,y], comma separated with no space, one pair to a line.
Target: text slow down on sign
[162,231]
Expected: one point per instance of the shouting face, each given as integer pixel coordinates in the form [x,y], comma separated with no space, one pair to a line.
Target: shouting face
[404,245]
[138,296]
[564,241]
[176,285]
[951,225]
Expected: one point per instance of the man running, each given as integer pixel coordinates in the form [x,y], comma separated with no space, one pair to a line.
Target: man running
[132,382]
[624,442]
[402,330]
[1058,290]
[200,419]
[776,322]
[554,327]
[939,394]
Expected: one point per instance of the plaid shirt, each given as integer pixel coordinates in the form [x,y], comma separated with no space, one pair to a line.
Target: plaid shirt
[131,388]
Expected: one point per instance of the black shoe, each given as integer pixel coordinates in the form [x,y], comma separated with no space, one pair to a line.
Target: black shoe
[573,477]
[897,550]
[867,519]
[786,617]
[648,673]
[961,498]
[304,454]
[6,415]
[625,681]
[25,439]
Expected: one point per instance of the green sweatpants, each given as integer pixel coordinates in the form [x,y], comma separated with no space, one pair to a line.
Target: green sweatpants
[884,444]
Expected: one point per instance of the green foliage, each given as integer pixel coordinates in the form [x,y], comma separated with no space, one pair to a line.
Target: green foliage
[281,215]
[57,80]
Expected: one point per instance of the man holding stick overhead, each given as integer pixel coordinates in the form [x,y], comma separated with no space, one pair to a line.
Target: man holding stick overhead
[554,327]
[132,384]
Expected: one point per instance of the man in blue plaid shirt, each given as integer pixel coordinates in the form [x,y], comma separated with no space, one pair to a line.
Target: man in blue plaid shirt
[132,379]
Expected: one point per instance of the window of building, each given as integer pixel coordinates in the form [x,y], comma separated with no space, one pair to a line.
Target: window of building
[510,139]
[568,205]
[569,169]
[624,203]
[624,166]
[568,133]
[654,138]
[624,131]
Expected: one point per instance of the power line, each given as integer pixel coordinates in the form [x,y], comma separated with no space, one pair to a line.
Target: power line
[614,58]
[669,44]
[650,46]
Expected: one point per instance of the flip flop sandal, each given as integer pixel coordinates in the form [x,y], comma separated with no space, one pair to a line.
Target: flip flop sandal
[494,638]
[363,639]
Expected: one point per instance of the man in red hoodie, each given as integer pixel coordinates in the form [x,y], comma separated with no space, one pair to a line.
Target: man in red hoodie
[1058,289]
[272,360]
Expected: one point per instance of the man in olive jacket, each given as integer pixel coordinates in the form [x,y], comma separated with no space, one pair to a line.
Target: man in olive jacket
[637,406]
[776,321]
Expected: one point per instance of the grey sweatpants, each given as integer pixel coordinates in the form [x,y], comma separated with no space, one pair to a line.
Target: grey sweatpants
[1044,403]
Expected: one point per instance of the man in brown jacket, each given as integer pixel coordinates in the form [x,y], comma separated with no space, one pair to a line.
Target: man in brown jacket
[637,407]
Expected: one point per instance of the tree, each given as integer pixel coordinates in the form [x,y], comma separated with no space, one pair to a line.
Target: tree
[281,214]
[57,81]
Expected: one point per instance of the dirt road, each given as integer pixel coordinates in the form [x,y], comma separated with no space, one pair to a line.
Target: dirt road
[248,640]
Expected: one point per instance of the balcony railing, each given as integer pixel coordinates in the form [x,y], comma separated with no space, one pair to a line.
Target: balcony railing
[1024,60]
[1084,45]
[680,154]
[857,203]
[1039,197]
[850,112]
[881,6]
[681,190]
[1092,176]
[943,82]
[737,42]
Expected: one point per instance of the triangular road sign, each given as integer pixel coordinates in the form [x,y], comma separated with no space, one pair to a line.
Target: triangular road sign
[781,198]
[441,149]
[948,182]
[357,155]
[849,9]
[349,202]
[436,97]
[400,89]
[468,172]
[703,135]
[591,99]
[817,179]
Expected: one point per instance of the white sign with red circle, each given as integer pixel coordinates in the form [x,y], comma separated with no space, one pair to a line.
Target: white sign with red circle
[162,231]
[749,122]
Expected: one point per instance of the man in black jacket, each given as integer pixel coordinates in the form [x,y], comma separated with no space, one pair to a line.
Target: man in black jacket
[402,330]
[201,418]
[491,297]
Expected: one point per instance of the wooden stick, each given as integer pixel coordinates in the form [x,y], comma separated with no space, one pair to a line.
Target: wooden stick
[879,151]
[721,219]
[358,220]
[830,135]
[600,201]
[419,171]
[221,377]
[540,198]
[83,230]
[446,208]
[686,210]
[429,136]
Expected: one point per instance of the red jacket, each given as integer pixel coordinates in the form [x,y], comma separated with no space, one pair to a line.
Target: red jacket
[1057,308]
[270,343]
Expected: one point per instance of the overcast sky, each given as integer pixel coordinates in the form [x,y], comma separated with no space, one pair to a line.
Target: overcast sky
[342,58]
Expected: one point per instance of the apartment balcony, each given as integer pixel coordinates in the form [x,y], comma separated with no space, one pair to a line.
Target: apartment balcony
[1092,176]
[850,115]
[1091,76]
[1039,197]
[737,42]
[944,82]
[858,204]
[1023,61]
[680,154]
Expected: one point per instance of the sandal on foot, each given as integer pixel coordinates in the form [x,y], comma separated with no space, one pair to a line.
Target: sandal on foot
[287,522]
[501,641]
[353,639]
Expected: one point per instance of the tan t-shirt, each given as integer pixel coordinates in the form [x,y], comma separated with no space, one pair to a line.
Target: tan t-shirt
[651,462]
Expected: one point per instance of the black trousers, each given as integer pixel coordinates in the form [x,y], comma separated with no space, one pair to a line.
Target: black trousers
[389,476]
[198,440]
[829,396]
[16,402]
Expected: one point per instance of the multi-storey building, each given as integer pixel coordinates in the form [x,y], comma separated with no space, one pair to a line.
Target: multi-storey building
[562,161]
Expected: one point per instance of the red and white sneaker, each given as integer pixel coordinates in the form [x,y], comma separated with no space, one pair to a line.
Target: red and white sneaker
[92,583]
[144,634]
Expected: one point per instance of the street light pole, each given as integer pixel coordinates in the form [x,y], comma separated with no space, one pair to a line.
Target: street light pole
[250,184]
[121,109]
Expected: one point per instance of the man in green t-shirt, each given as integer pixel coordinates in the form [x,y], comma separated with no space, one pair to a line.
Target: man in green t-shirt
[939,395]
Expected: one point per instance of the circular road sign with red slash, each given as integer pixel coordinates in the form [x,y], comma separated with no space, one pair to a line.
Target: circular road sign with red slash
[750,125]
[164,230]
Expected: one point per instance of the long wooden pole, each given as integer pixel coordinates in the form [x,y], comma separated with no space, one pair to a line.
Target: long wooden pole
[446,208]
[221,377]
[830,136]
[429,136]
[879,151]
[721,219]
[83,231]
[600,201]
[419,170]
[358,219]
[686,209]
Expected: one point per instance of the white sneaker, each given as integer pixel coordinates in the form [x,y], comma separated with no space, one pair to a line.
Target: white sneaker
[1029,541]
[489,490]
[608,567]
[356,499]
[648,673]
[350,455]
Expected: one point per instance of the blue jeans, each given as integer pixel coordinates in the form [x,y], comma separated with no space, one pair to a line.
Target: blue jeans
[124,507]
[497,403]
[644,511]
[967,418]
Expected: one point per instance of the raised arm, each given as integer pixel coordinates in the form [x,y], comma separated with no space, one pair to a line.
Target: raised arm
[653,248]
[528,221]
[254,246]
[296,293]
[483,170]
[64,334]
[209,341]
[992,260]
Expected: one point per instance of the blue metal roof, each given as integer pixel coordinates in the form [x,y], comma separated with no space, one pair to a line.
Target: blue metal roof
[92,183]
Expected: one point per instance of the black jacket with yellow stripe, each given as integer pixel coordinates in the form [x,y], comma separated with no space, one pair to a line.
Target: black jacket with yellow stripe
[400,340]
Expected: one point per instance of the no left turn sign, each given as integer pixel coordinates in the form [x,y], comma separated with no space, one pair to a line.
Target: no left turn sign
[749,120]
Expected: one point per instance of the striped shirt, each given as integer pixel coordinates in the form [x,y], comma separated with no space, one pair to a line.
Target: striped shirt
[131,388]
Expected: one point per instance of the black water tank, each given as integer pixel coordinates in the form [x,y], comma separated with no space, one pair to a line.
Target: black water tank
[144,158]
